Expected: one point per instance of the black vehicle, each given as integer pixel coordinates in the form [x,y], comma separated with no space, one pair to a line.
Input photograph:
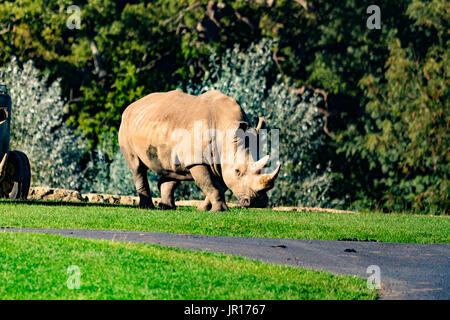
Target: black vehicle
[15,173]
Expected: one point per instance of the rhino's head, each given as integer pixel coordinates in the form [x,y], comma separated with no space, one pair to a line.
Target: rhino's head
[248,184]
[243,175]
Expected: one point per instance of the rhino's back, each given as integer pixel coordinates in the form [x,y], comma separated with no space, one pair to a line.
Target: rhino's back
[150,123]
[173,110]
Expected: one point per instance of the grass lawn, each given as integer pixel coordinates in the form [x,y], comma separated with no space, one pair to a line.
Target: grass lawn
[35,266]
[236,222]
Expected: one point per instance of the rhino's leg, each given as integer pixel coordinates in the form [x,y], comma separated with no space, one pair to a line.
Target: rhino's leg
[210,187]
[142,187]
[139,171]
[167,188]
[206,205]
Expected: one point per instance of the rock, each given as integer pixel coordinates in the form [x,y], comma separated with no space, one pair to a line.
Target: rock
[56,194]
[102,198]
[129,200]
[94,197]
[111,199]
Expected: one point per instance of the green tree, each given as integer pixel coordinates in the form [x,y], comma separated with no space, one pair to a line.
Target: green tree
[406,135]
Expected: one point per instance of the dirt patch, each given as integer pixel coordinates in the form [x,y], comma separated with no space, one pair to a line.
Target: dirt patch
[309,209]
[56,194]
[196,203]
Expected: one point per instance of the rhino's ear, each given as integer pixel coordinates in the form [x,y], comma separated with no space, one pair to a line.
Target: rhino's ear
[239,133]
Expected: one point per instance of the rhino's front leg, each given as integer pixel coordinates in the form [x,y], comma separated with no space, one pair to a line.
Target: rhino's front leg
[205,206]
[203,178]
[167,188]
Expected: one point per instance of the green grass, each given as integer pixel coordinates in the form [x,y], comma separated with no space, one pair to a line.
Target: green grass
[34,266]
[236,222]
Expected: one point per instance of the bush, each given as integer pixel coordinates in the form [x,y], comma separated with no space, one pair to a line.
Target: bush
[38,128]
[113,176]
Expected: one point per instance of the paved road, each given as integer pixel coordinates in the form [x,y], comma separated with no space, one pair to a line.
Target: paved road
[408,271]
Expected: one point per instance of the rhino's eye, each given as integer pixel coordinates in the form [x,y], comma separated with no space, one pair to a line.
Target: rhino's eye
[238,172]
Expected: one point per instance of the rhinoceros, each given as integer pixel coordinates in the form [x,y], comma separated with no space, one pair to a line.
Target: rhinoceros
[165,131]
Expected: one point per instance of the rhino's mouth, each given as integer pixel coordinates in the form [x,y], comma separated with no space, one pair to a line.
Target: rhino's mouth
[260,201]
[245,202]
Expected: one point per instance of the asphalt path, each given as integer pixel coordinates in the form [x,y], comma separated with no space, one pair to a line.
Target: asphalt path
[406,271]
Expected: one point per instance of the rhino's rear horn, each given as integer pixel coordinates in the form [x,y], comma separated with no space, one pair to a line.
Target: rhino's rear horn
[260,164]
[261,124]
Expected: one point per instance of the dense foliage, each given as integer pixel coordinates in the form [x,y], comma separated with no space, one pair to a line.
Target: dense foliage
[405,137]
[386,95]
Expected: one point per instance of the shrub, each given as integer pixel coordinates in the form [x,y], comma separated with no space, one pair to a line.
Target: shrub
[113,176]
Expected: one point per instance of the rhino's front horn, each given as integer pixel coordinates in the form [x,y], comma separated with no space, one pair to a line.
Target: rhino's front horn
[266,181]
[274,174]
[3,166]
[260,164]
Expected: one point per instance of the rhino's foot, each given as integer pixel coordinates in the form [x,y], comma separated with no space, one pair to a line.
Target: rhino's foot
[205,206]
[219,206]
[165,206]
[146,204]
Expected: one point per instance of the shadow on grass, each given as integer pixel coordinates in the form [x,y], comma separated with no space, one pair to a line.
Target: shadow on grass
[65,203]
[55,203]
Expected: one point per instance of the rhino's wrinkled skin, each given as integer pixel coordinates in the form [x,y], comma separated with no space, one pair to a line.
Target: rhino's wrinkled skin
[164,132]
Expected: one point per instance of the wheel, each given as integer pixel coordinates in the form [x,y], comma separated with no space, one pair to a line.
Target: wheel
[16,183]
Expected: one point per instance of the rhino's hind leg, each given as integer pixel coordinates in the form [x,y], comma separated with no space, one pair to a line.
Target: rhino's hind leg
[167,189]
[140,178]
[142,187]
[202,177]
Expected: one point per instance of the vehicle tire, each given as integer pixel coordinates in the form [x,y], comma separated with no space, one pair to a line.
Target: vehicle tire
[16,184]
